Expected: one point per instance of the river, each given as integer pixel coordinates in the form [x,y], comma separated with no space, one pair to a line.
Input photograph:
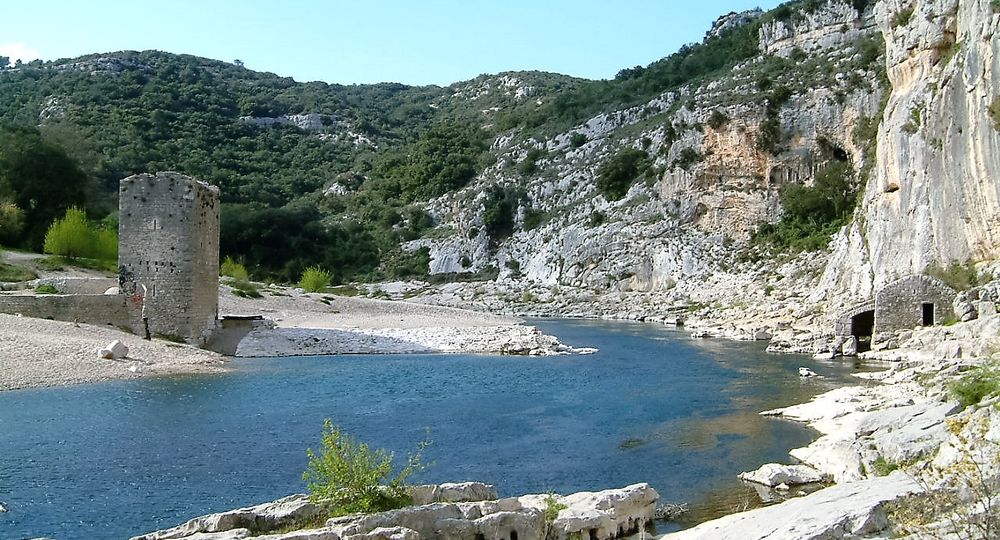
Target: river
[115,459]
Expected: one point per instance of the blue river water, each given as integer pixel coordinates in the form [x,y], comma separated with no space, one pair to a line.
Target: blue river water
[116,459]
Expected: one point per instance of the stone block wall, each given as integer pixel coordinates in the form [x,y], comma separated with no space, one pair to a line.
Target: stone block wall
[169,252]
[95,309]
[899,305]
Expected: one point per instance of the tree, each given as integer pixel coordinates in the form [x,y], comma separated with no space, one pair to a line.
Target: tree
[40,178]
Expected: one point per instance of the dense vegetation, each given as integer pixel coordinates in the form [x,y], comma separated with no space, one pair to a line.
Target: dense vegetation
[340,190]
[812,214]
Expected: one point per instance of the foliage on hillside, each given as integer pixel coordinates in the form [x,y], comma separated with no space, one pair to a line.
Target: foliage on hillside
[341,193]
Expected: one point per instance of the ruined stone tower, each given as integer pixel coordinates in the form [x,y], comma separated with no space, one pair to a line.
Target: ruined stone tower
[169,253]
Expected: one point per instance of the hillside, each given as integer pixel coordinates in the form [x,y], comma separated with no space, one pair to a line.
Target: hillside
[669,189]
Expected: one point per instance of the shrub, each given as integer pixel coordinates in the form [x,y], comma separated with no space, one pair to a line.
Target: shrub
[975,385]
[314,279]
[902,17]
[499,211]
[717,119]
[46,288]
[687,157]
[235,270]
[347,476]
[597,218]
[73,237]
[70,236]
[960,277]
[11,223]
[615,176]
[882,466]
[577,139]
[813,213]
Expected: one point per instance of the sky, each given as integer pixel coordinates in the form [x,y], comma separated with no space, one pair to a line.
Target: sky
[369,41]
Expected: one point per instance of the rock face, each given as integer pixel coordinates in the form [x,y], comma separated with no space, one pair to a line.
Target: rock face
[603,515]
[938,149]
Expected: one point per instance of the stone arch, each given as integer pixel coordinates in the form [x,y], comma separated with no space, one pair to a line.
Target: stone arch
[858,322]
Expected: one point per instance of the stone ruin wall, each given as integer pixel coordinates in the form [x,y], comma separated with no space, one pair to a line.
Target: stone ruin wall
[898,305]
[96,309]
[169,252]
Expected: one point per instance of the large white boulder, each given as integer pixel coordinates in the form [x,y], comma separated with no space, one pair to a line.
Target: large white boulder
[115,350]
[773,474]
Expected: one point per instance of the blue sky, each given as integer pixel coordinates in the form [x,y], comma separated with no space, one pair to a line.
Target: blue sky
[413,42]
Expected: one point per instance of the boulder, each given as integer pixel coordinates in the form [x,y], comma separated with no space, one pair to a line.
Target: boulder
[806,372]
[453,492]
[115,350]
[774,475]
[263,517]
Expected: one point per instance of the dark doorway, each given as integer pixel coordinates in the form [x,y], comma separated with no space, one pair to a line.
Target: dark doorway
[928,314]
[862,327]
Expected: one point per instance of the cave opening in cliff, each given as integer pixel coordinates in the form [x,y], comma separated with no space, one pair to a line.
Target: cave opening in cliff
[862,327]
[928,314]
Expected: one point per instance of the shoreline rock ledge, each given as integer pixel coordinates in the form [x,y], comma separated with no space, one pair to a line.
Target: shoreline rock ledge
[463,511]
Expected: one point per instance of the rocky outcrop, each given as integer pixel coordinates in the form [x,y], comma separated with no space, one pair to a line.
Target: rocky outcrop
[833,24]
[603,515]
[845,511]
[938,149]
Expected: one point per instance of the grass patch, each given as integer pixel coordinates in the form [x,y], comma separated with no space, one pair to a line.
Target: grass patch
[56,263]
[46,288]
[883,467]
[975,385]
[902,17]
[344,290]
[244,289]
[11,273]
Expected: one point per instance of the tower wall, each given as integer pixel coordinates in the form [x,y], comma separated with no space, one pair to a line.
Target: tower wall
[169,253]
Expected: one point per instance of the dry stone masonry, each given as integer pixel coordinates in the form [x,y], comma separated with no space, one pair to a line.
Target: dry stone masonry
[169,253]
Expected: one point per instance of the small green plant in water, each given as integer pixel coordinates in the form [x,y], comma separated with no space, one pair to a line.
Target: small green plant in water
[314,279]
[975,385]
[348,477]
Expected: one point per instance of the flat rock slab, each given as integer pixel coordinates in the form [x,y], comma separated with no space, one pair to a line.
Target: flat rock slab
[842,511]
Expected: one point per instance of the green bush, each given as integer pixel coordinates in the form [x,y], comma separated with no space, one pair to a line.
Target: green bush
[883,467]
[975,385]
[73,237]
[577,139]
[717,119]
[902,17]
[499,211]
[616,175]
[960,277]
[348,477]
[11,223]
[813,213]
[232,268]
[70,236]
[314,279]
[46,288]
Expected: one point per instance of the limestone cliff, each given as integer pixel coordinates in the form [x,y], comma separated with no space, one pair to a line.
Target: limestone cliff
[934,195]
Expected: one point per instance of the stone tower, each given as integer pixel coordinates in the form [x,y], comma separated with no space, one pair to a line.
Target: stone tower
[169,253]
